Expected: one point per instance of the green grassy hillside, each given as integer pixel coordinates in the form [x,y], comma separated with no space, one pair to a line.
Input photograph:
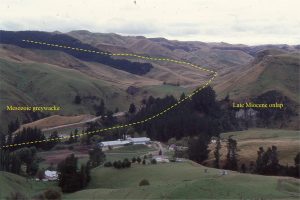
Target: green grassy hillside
[11,183]
[183,181]
[43,84]
[275,72]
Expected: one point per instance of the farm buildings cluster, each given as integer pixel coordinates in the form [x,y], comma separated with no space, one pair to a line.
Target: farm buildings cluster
[127,141]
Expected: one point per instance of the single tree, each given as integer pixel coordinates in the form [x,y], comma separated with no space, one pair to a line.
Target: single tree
[243,168]
[77,99]
[132,108]
[217,153]
[198,148]
[231,158]
[97,156]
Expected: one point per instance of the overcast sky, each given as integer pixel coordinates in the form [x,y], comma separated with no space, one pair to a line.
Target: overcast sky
[232,21]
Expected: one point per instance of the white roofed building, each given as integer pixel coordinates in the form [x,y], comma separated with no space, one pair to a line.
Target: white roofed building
[51,175]
[128,141]
[139,140]
[114,143]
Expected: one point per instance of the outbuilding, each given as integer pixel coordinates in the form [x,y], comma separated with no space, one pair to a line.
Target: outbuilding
[115,143]
[139,140]
[51,175]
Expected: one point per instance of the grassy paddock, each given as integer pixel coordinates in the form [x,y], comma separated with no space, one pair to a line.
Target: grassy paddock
[287,142]
[182,181]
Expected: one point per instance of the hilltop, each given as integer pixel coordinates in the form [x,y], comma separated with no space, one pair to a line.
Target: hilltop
[271,70]
[32,74]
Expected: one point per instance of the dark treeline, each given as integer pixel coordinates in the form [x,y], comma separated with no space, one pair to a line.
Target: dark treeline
[267,162]
[70,178]
[200,115]
[11,161]
[26,135]
[15,38]
[268,117]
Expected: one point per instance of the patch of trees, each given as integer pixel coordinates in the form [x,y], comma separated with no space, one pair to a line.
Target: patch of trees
[121,164]
[27,135]
[267,162]
[107,121]
[73,137]
[231,157]
[267,117]
[97,157]
[77,99]
[15,38]
[201,114]
[70,178]
[13,126]
[100,109]
[198,148]
[11,161]
[217,153]
[132,108]
[118,164]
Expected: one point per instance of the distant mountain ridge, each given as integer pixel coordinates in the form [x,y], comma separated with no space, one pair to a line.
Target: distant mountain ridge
[15,38]
[239,66]
[34,74]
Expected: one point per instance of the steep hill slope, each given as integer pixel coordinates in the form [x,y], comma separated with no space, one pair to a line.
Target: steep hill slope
[47,77]
[39,84]
[69,45]
[279,72]
[12,184]
[209,55]
[243,71]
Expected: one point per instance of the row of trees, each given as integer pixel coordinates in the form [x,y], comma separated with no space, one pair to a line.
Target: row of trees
[127,163]
[267,162]
[12,161]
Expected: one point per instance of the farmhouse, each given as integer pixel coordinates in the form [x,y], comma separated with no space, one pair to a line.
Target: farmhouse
[51,175]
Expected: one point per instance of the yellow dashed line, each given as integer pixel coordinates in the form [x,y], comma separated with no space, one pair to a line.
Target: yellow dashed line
[120,54]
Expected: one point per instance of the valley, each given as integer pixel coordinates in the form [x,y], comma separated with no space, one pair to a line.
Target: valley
[182,109]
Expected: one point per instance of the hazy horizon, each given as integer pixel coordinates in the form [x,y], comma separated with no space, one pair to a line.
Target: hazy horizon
[235,22]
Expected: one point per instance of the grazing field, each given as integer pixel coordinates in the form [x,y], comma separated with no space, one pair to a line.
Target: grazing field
[132,149]
[11,183]
[53,157]
[286,141]
[56,120]
[174,180]
[128,152]
[182,181]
